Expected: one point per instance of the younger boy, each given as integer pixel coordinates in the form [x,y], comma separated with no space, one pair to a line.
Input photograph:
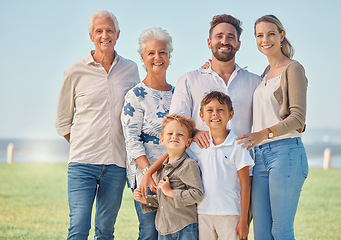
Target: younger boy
[179,184]
[223,212]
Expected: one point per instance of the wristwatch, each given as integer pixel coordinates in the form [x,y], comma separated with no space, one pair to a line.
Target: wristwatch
[271,134]
[145,170]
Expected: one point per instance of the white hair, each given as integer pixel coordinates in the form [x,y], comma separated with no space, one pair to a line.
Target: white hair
[103,13]
[158,34]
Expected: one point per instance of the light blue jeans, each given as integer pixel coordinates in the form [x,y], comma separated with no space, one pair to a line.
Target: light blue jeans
[147,229]
[190,232]
[85,182]
[280,170]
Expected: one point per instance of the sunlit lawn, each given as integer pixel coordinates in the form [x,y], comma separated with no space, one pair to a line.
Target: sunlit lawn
[33,205]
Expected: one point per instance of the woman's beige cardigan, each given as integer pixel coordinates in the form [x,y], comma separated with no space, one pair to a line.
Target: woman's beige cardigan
[292,97]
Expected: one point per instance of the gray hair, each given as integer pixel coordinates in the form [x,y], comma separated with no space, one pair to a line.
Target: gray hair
[158,34]
[103,13]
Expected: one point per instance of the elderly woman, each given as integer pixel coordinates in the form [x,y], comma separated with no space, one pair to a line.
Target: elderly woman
[142,115]
[279,112]
[89,105]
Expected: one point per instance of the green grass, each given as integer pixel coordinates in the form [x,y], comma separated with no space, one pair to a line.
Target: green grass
[33,205]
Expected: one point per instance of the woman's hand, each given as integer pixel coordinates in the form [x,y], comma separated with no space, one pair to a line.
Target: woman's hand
[251,140]
[202,138]
[138,196]
[164,186]
[147,182]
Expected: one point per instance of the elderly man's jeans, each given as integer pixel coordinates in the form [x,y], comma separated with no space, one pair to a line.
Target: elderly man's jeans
[85,182]
[280,170]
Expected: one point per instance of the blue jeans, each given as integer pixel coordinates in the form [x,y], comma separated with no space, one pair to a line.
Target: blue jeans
[147,229]
[280,170]
[85,182]
[190,232]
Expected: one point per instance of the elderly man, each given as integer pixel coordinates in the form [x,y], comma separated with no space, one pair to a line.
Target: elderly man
[88,116]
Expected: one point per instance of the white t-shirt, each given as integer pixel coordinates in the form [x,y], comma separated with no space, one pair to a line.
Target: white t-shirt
[219,166]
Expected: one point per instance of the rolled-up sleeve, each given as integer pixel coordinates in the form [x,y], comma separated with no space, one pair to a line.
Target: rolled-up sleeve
[132,119]
[152,204]
[191,177]
[65,106]
[182,99]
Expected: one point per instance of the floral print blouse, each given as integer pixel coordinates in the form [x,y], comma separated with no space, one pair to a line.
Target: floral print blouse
[142,115]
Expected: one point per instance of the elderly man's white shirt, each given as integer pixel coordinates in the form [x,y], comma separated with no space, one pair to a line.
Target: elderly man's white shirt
[192,87]
[89,108]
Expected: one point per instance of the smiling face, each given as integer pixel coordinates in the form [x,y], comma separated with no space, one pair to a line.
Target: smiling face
[104,35]
[216,115]
[224,42]
[175,137]
[268,38]
[155,57]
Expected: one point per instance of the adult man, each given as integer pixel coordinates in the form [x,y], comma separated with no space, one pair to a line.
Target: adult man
[88,116]
[223,75]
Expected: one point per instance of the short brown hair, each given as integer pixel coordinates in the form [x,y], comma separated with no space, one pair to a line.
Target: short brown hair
[224,18]
[220,96]
[187,122]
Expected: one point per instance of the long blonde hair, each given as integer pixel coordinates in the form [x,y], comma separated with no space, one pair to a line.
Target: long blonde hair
[287,48]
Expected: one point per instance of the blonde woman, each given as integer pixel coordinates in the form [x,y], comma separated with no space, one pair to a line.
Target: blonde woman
[279,112]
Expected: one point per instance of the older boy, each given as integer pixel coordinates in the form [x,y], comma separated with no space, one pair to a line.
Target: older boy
[225,167]
[179,186]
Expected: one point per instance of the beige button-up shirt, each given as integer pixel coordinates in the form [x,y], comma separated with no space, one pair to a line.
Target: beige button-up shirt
[174,214]
[89,108]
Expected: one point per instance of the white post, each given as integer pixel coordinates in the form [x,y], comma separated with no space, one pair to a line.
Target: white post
[327,159]
[10,153]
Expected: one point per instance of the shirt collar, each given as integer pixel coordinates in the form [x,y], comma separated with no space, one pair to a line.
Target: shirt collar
[177,162]
[228,141]
[209,70]
[90,60]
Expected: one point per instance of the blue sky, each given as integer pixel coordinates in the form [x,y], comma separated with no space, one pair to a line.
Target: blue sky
[39,39]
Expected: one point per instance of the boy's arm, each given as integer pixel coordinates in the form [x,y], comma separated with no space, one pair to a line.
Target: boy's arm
[147,179]
[242,227]
[148,204]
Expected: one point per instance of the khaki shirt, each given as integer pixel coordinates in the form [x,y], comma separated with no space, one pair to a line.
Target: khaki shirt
[89,108]
[174,214]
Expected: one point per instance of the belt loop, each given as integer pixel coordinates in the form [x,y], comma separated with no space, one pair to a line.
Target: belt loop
[269,144]
[297,141]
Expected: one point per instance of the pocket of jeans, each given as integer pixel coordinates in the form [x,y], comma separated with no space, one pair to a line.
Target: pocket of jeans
[305,167]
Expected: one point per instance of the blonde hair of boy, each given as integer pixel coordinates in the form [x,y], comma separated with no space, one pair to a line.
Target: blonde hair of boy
[187,122]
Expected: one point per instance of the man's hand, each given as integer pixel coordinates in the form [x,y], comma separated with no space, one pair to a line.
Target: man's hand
[202,138]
